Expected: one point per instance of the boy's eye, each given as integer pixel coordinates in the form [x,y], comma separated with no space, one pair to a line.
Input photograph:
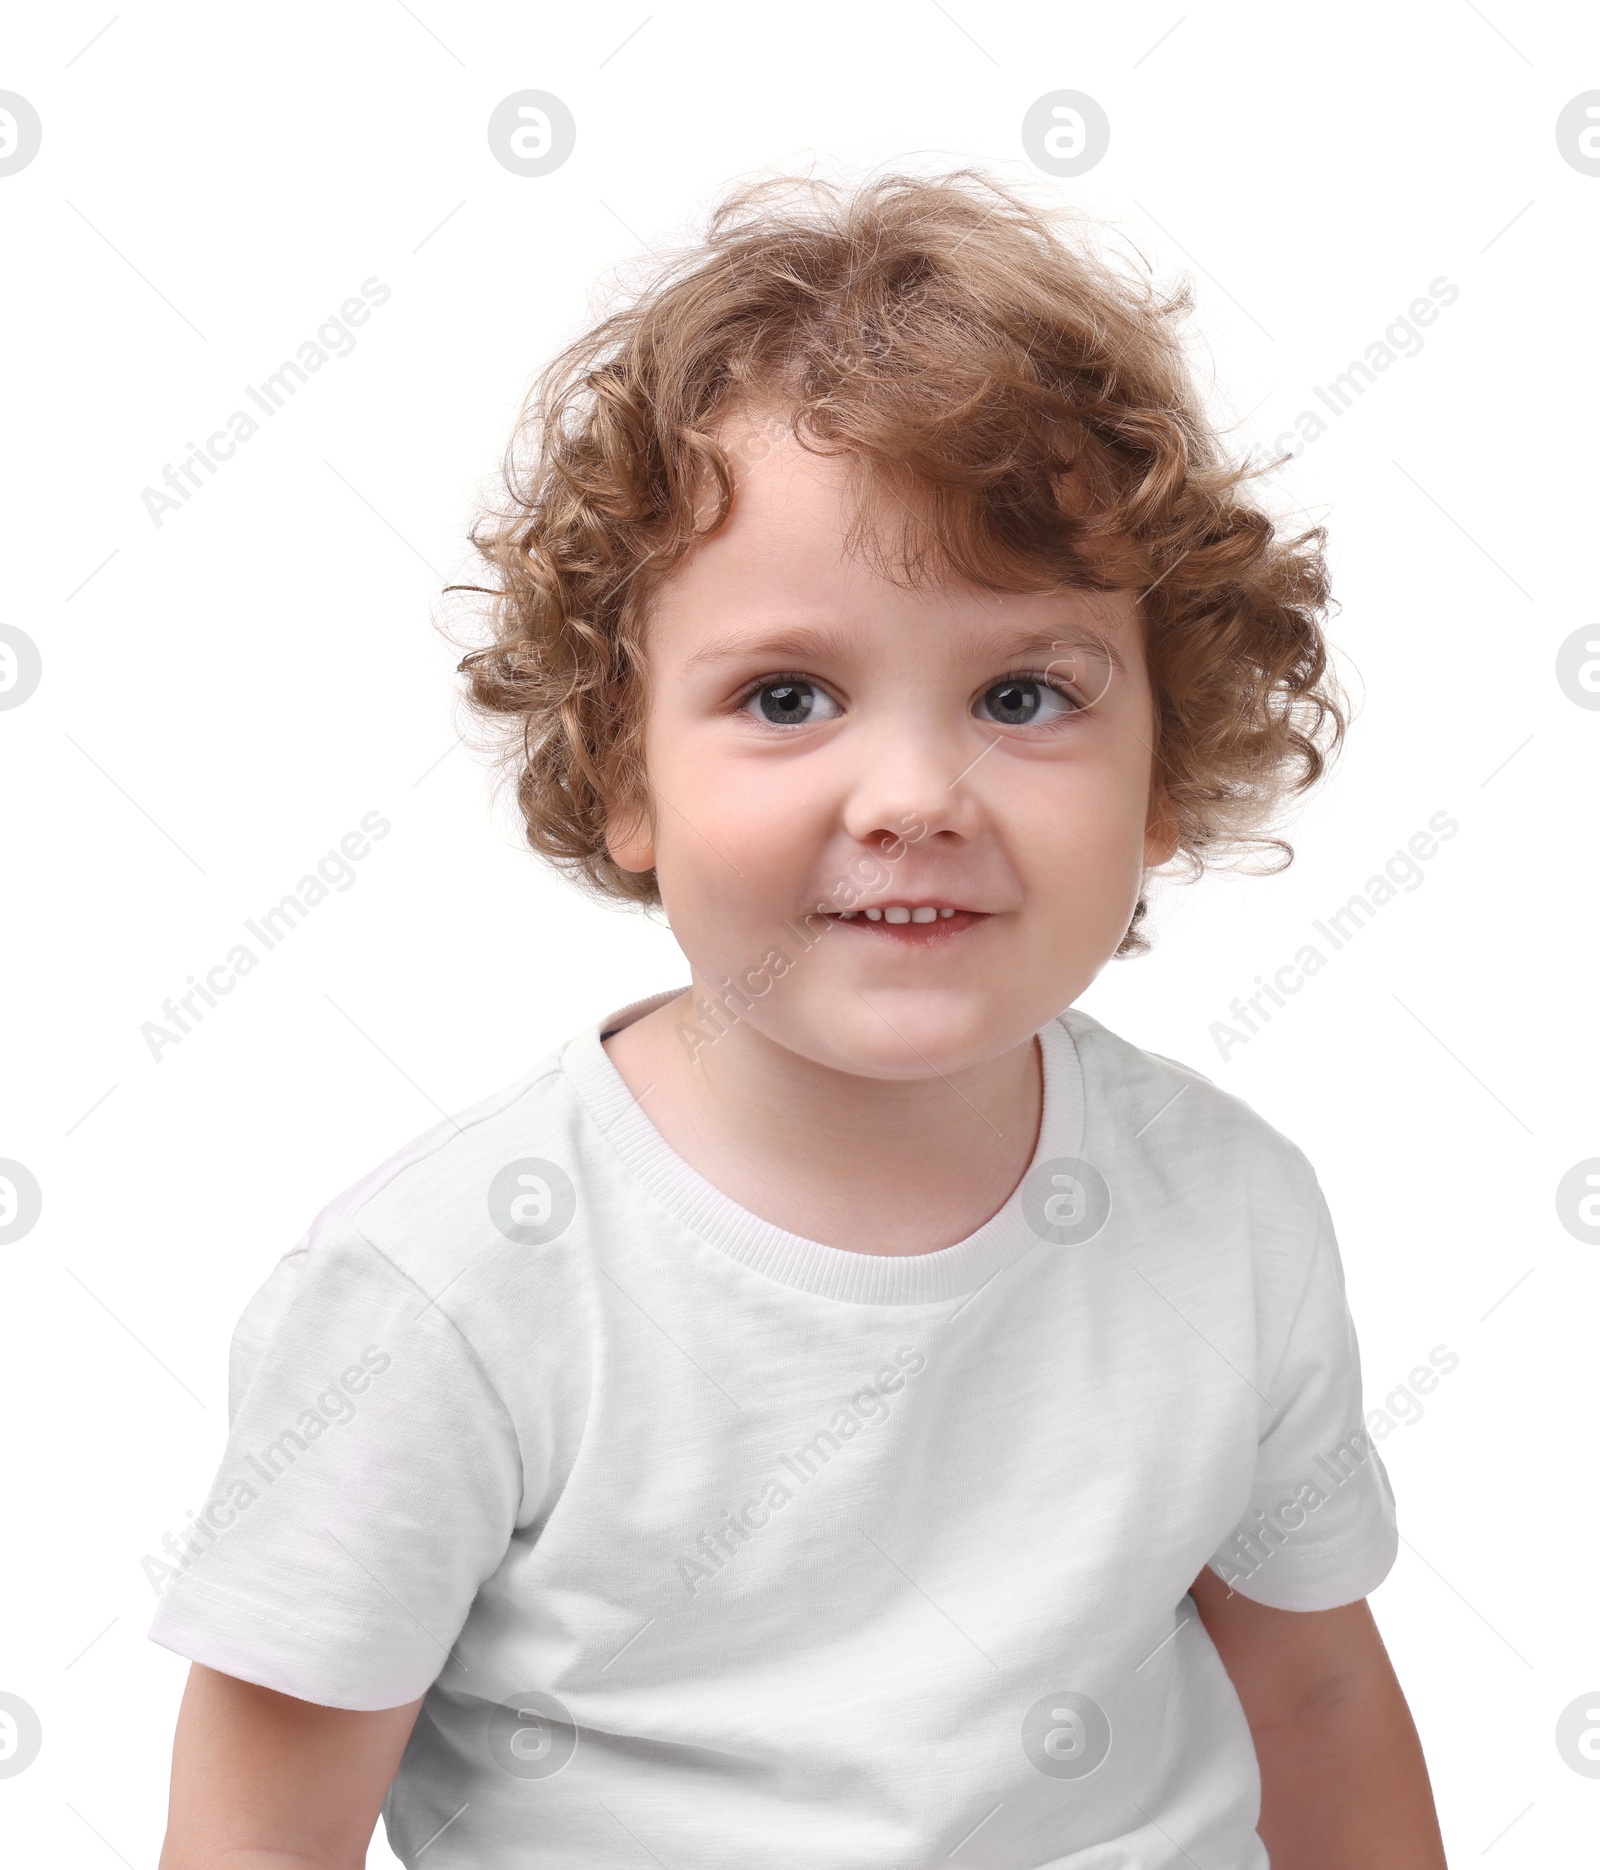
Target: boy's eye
[1024,701]
[791,702]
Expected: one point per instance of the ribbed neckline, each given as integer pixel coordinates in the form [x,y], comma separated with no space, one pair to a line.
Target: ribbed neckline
[791,1259]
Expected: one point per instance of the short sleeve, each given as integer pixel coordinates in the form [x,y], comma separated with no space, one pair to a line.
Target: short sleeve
[371,1482]
[1320,1527]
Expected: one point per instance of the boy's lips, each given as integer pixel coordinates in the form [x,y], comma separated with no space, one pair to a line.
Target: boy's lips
[917,923]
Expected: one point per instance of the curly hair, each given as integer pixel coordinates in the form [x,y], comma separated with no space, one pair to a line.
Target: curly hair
[1026,398]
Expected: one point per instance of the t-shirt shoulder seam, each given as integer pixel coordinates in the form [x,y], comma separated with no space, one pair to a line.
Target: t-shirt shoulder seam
[1264,1132]
[354,1233]
[1080,1025]
[406,1160]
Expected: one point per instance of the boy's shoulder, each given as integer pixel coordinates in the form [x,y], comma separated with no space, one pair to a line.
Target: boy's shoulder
[441,1193]
[512,1167]
[426,1213]
[1163,1111]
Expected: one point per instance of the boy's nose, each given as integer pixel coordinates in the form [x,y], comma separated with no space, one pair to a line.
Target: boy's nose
[914,784]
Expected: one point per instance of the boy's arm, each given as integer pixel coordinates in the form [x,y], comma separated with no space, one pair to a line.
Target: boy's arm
[261,1781]
[1343,1782]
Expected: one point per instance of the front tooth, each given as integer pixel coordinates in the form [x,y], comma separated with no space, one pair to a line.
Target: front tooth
[897,914]
[924,915]
[874,915]
[947,912]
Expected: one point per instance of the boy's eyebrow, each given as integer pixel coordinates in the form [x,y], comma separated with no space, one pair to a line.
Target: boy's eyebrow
[802,642]
[1064,637]
[805,643]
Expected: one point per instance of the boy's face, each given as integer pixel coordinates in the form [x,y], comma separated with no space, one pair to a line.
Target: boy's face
[819,735]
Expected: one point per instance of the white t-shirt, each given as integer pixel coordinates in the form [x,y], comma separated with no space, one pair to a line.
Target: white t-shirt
[711,1545]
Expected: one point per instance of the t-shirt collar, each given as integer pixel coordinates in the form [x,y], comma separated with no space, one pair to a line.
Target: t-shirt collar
[790,1259]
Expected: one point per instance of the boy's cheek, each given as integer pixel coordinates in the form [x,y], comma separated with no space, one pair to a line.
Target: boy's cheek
[730,905]
[1080,857]
[743,855]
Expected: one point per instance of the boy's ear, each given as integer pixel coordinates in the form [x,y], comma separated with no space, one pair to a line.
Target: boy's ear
[630,838]
[1160,839]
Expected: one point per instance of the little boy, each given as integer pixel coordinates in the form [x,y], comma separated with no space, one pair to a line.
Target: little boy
[847,1412]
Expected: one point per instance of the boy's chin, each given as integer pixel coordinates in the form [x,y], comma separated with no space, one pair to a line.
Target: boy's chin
[899,1035]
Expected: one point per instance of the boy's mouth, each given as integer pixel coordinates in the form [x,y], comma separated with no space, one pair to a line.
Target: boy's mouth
[917,923]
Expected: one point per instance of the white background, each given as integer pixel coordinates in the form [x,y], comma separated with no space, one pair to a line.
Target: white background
[225,695]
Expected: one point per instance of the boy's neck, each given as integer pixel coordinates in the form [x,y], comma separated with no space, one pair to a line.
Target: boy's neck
[872,1165]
